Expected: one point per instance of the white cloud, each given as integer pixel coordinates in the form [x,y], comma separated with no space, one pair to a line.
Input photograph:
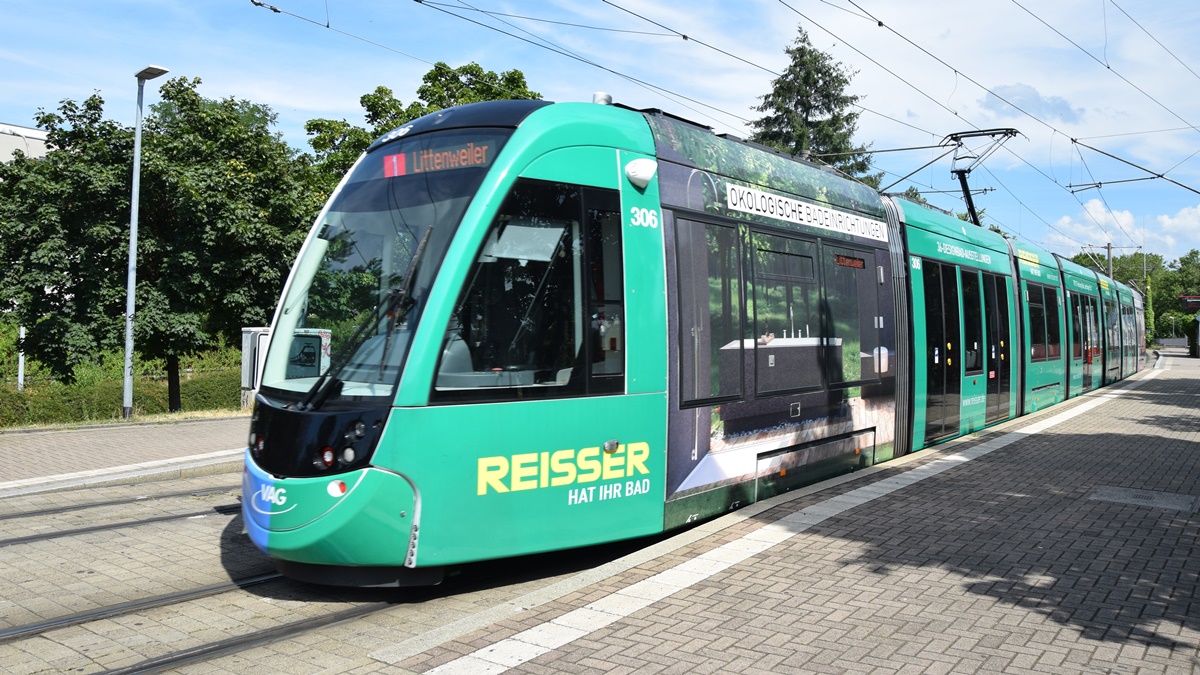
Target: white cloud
[1005,100]
[1095,225]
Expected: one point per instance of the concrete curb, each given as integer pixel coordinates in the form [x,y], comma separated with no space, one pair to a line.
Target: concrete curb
[210,464]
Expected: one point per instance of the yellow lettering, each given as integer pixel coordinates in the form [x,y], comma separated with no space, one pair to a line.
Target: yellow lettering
[533,470]
[492,471]
[561,464]
[524,471]
[637,453]
[614,464]
[589,468]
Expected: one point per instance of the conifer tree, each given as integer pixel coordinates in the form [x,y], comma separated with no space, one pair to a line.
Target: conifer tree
[809,113]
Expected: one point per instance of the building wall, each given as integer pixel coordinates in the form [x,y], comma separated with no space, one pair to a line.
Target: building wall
[30,141]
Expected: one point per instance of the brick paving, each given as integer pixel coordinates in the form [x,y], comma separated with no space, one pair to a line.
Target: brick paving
[33,455]
[1051,553]
[1011,562]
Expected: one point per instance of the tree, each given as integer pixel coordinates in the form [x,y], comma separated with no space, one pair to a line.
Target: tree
[64,230]
[228,205]
[912,194]
[1162,282]
[966,217]
[338,143]
[225,204]
[809,113]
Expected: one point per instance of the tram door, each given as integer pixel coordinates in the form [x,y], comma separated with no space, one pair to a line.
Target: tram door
[1112,342]
[1085,328]
[999,372]
[943,368]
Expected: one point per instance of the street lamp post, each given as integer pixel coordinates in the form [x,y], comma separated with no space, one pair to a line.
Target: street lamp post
[147,73]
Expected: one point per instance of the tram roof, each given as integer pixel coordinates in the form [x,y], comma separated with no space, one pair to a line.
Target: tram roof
[689,144]
[496,114]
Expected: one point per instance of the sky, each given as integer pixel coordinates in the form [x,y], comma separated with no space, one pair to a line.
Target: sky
[1102,92]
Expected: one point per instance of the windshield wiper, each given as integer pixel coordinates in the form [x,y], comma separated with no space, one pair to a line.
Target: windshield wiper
[394,316]
[329,384]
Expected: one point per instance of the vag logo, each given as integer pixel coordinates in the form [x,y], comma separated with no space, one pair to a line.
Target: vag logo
[270,500]
[273,495]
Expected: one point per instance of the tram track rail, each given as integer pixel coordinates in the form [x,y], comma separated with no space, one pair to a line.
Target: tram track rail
[111,611]
[240,643]
[354,604]
[117,502]
[223,509]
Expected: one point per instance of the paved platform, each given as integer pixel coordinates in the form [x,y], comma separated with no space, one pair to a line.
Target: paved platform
[47,459]
[1062,542]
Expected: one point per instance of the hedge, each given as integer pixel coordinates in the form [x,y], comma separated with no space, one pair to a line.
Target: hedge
[55,403]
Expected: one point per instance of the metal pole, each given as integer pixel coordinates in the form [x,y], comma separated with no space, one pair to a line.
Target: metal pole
[147,73]
[21,360]
[131,277]
[1109,247]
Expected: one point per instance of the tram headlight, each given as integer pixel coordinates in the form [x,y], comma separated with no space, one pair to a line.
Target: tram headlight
[348,455]
[360,429]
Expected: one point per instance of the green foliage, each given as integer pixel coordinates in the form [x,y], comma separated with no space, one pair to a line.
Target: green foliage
[99,399]
[808,112]
[982,213]
[215,390]
[64,223]
[9,356]
[912,194]
[1175,323]
[1161,282]
[338,143]
[211,381]
[229,204]
[225,205]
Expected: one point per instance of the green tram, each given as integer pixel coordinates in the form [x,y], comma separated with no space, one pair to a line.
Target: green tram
[556,325]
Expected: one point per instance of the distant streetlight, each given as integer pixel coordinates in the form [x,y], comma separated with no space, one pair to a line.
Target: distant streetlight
[21,329]
[147,73]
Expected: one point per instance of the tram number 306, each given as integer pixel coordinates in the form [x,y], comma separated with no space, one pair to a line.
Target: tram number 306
[643,217]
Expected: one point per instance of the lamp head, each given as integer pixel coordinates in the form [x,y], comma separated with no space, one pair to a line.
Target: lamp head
[150,72]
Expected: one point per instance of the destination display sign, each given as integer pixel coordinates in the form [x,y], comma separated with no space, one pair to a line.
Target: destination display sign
[425,160]
[847,261]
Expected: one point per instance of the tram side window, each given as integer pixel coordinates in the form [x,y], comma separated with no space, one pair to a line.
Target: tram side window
[1128,328]
[1053,330]
[972,323]
[1045,334]
[1112,329]
[787,321]
[1093,323]
[852,303]
[542,312]
[711,345]
[1077,326]
[1037,323]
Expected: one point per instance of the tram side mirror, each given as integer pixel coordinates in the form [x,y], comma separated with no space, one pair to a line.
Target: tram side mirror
[640,172]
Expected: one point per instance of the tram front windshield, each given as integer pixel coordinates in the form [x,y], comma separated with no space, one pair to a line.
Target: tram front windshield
[359,287]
